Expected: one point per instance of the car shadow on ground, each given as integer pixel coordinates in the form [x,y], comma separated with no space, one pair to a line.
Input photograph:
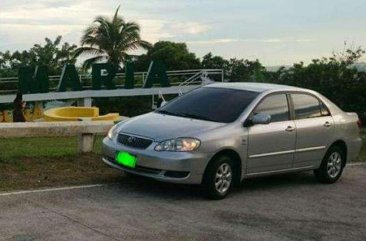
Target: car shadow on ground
[146,186]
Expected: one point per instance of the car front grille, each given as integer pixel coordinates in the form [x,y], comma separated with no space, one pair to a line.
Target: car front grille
[134,141]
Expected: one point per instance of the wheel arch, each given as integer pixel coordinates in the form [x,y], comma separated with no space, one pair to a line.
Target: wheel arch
[342,144]
[235,157]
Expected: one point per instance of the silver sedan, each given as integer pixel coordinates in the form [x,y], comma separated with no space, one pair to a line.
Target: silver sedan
[222,134]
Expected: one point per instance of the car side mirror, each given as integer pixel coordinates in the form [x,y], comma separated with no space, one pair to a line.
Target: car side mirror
[261,118]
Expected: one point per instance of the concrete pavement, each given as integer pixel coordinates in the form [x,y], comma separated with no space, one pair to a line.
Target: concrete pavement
[286,207]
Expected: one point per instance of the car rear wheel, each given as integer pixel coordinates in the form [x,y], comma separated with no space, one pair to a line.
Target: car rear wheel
[218,178]
[332,165]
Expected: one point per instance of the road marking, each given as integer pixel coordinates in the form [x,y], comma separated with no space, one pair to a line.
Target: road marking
[95,185]
[356,164]
[51,189]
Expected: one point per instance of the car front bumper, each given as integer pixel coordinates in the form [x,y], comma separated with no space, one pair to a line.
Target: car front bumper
[176,167]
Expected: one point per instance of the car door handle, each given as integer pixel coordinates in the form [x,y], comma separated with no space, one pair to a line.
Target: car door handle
[290,128]
[327,124]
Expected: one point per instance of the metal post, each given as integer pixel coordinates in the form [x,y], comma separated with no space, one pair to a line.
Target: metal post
[85,102]
[81,80]
[153,106]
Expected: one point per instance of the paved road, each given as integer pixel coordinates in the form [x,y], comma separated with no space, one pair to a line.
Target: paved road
[288,207]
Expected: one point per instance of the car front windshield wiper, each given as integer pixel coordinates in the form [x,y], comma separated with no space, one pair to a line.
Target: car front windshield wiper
[165,112]
[186,115]
[194,116]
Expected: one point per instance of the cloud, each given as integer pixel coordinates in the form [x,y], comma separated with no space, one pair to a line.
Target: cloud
[273,31]
[56,4]
[213,41]
[187,27]
[153,30]
[231,40]
[71,17]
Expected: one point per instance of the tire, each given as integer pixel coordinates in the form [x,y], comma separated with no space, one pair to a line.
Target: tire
[332,165]
[218,178]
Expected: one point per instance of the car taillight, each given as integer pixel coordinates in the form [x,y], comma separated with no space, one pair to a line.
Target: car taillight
[359,123]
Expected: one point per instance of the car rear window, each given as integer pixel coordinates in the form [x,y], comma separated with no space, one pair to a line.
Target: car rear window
[307,106]
[210,103]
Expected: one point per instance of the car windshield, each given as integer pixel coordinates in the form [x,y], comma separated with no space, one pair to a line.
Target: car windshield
[211,104]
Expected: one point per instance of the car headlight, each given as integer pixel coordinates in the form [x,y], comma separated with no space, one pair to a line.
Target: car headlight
[112,132]
[179,144]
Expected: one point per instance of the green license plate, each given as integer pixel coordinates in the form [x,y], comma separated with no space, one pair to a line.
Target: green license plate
[126,159]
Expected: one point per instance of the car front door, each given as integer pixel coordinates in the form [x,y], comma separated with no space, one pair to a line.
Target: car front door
[315,129]
[271,146]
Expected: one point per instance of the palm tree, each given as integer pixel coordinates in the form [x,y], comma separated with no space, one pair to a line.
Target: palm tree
[110,40]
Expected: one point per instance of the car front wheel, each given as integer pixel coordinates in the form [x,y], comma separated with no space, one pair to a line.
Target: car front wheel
[218,178]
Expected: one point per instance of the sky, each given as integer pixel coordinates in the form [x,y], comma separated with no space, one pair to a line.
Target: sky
[277,32]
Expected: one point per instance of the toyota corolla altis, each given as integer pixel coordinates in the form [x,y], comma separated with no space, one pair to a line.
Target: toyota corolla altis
[224,133]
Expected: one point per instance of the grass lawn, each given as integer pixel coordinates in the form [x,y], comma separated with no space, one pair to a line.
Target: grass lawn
[43,162]
[52,147]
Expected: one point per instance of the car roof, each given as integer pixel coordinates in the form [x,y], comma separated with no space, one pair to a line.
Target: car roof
[254,86]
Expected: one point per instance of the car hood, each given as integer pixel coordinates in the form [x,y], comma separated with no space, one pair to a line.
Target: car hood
[161,127]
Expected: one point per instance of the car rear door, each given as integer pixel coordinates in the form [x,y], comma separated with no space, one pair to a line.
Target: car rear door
[271,146]
[315,129]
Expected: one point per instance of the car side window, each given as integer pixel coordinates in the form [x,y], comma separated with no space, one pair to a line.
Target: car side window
[275,105]
[307,106]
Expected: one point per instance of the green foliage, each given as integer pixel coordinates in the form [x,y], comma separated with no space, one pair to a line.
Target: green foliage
[214,62]
[109,40]
[236,70]
[240,70]
[335,77]
[52,54]
[175,56]
[6,64]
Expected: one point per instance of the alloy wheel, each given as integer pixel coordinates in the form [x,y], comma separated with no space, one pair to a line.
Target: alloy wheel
[334,164]
[223,178]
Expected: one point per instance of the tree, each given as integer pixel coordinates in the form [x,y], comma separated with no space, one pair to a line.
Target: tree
[50,54]
[335,77]
[243,70]
[110,40]
[214,62]
[235,70]
[209,61]
[175,56]
[6,65]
